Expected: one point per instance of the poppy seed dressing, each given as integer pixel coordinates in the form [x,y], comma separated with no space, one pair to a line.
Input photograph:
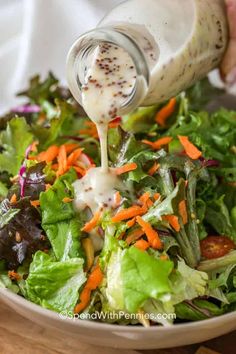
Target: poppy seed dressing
[109,82]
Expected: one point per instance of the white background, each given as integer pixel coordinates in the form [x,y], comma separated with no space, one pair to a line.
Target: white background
[35,36]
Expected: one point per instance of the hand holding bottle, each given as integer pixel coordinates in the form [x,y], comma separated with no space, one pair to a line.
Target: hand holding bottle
[228,65]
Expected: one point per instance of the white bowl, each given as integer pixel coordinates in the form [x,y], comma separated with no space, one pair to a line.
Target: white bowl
[136,337]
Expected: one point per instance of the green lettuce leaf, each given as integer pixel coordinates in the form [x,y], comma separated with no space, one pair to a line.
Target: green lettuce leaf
[52,206]
[197,310]
[64,237]
[214,134]
[218,216]
[3,190]
[158,311]
[126,272]
[54,285]
[168,206]
[6,282]
[60,124]
[216,264]
[6,213]
[143,277]
[187,283]
[142,158]
[141,120]
[59,220]
[41,91]
[14,141]
[114,287]
[220,278]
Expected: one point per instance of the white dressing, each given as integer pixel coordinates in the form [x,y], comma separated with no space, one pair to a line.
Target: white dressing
[96,189]
[109,81]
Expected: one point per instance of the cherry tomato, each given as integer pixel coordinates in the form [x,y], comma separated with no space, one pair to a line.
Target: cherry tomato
[216,246]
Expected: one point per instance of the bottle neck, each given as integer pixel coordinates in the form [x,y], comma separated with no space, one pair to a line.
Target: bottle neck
[81,56]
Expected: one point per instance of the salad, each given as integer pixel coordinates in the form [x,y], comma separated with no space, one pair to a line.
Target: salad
[167,245]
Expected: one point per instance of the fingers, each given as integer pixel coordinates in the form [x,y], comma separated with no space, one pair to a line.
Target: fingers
[228,64]
[231,13]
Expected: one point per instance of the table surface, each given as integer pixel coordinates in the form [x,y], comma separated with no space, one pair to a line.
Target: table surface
[21,336]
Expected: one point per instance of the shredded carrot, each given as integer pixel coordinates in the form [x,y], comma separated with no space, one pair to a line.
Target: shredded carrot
[67,200]
[190,149]
[152,235]
[142,245]
[54,166]
[90,124]
[94,280]
[152,170]
[91,130]
[13,199]
[14,275]
[49,155]
[183,211]
[117,198]
[91,224]
[131,222]
[34,146]
[163,141]
[126,168]
[35,203]
[148,142]
[165,112]
[149,203]
[128,213]
[144,197]
[84,300]
[156,196]
[79,170]
[47,186]
[73,157]
[164,257]
[156,145]
[134,235]
[146,201]
[41,119]
[62,161]
[70,147]
[173,221]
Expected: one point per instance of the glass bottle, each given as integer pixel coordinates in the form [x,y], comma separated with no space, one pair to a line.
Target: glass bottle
[172,43]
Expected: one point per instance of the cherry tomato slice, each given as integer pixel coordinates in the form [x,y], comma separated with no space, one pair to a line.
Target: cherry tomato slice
[216,246]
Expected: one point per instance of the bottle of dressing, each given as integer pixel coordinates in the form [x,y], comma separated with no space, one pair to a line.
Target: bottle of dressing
[142,53]
[169,44]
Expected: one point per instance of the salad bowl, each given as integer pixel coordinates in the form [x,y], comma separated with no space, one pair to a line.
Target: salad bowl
[118,336]
[174,254]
